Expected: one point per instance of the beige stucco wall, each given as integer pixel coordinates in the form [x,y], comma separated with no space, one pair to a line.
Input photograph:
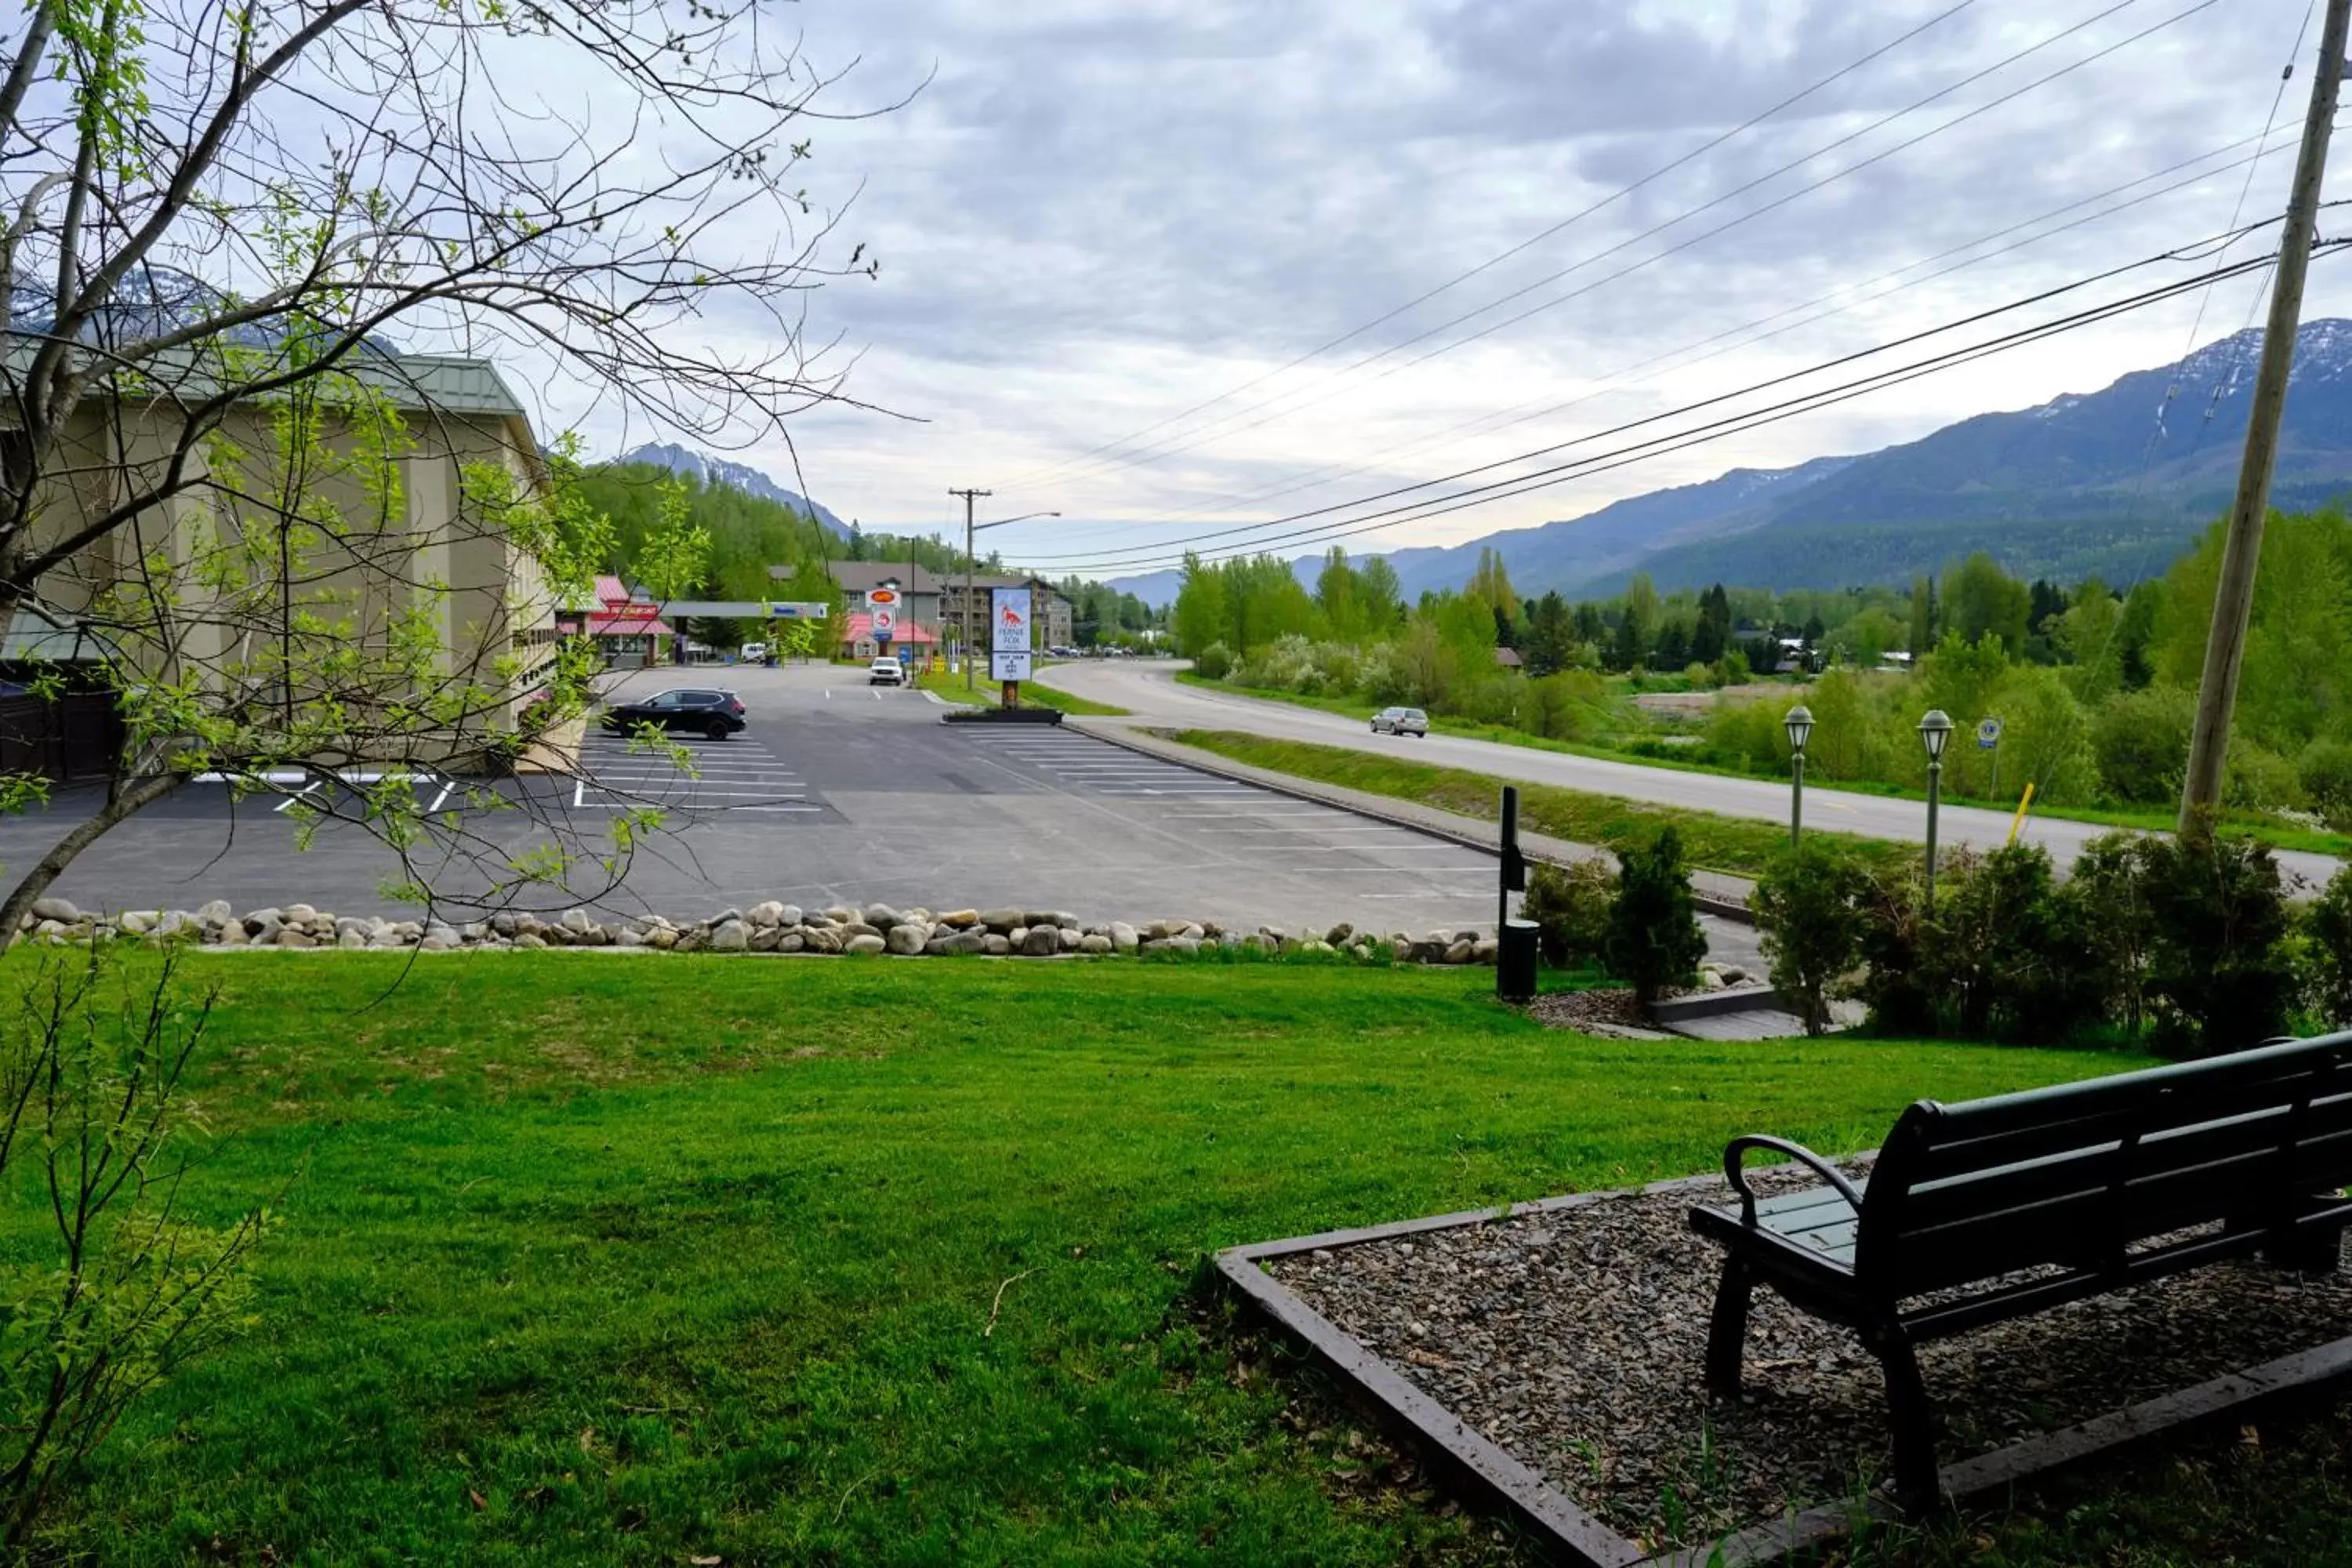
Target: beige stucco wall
[490,607]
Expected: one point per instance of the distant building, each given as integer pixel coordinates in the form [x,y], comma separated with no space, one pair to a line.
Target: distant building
[1508,659]
[1048,611]
[931,603]
[625,628]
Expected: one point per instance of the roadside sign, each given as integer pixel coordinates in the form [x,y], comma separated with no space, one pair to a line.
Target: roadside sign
[886,621]
[798,610]
[1988,735]
[1009,665]
[1008,619]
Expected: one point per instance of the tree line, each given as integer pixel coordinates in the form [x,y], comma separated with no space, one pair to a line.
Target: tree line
[2093,684]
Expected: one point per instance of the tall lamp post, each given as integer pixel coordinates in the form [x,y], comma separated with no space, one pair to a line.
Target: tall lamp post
[1934,730]
[971,528]
[1800,723]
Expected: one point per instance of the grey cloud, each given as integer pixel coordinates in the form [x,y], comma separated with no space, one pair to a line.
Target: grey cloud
[1089,198]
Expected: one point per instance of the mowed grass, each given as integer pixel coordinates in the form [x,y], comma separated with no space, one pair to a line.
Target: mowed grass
[1742,847]
[586,1258]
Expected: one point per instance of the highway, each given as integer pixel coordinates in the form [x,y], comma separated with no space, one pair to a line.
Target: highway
[1149,690]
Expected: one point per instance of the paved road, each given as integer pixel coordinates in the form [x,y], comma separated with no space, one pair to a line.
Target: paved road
[837,793]
[1149,690]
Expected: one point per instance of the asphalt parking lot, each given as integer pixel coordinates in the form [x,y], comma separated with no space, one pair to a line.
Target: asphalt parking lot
[837,793]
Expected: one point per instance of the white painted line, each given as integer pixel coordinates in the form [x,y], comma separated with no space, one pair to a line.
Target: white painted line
[687,798]
[625,805]
[1314,830]
[298,795]
[446,785]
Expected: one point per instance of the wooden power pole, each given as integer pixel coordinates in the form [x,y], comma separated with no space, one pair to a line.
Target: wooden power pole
[2233,599]
[969,498]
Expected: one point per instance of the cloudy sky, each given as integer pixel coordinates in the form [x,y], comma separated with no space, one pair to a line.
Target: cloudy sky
[1115,234]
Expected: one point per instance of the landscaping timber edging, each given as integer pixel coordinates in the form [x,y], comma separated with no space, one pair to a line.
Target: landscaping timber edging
[1482,1474]
[1001,716]
[1713,1004]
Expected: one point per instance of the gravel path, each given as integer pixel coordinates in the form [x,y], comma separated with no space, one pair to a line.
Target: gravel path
[1574,1339]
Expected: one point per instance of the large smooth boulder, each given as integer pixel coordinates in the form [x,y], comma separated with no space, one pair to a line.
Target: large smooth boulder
[732,937]
[1002,921]
[906,939]
[1123,937]
[56,909]
[865,944]
[1094,943]
[1043,942]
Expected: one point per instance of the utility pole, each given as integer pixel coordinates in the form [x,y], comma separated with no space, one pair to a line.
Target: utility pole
[969,497]
[2233,597]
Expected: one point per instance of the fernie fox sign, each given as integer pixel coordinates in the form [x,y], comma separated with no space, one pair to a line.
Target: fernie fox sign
[1009,614]
[1008,619]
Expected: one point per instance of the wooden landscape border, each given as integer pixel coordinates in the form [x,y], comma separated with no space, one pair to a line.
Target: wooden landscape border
[1482,1474]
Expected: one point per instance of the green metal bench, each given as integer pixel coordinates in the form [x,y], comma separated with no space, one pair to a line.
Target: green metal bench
[1995,1209]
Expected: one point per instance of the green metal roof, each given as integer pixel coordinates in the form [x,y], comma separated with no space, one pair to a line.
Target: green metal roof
[446,383]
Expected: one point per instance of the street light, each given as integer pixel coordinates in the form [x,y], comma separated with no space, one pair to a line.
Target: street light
[970,681]
[1800,722]
[1934,730]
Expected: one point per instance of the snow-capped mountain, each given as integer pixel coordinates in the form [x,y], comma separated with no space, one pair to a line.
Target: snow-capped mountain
[2114,481]
[713,471]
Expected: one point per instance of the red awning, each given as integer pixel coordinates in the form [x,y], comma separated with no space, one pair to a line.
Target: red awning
[624,626]
[860,628]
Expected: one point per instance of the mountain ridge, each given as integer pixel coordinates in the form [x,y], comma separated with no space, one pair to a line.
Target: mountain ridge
[708,469]
[2116,482]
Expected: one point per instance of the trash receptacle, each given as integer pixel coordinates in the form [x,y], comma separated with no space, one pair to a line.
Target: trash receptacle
[1515,962]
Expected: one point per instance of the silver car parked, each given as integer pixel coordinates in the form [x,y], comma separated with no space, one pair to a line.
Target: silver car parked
[1400,721]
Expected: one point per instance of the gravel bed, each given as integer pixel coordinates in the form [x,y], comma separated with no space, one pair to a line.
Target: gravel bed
[1602,1007]
[1574,1340]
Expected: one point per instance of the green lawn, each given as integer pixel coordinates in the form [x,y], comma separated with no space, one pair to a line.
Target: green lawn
[1730,844]
[595,1259]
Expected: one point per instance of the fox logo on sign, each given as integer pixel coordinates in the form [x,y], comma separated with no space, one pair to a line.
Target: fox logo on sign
[1011,618]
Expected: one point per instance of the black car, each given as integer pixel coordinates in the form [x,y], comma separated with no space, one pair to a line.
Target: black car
[696,710]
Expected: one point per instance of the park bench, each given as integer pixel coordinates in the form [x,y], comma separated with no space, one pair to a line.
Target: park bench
[1995,1209]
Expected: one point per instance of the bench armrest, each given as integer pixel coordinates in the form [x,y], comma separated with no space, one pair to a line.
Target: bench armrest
[1735,1172]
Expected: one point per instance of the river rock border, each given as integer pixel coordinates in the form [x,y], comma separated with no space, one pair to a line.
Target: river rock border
[772,927]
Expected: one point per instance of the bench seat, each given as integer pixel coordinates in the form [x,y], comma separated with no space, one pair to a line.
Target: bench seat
[1978,1213]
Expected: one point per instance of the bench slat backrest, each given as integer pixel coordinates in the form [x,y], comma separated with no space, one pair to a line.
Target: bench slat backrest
[2078,1174]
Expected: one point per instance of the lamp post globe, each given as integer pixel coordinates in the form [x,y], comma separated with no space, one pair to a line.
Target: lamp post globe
[1799,725]
[1935,732]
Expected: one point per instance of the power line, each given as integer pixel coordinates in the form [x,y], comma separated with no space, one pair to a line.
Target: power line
[1719,429]
[2172,388]
[1532,240]
[1236,423]
[1526,412]
[2039,296]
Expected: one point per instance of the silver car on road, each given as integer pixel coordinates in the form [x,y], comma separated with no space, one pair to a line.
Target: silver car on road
[1400,721]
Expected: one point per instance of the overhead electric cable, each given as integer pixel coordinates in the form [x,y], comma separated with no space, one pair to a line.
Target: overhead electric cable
[1730,424]
[1532,240]
[1236,423]
[1537,408]
[2026,302]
